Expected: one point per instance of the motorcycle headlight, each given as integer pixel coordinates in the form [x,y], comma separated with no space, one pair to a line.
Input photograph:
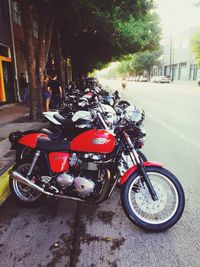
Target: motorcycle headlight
[134,114]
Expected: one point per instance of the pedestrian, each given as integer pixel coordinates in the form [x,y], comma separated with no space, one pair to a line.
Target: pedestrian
[123,83]
[46,93]
[54,86]
[24,88]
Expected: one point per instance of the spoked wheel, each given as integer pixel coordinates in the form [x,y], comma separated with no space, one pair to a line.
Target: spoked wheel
[146,213]
[25,195]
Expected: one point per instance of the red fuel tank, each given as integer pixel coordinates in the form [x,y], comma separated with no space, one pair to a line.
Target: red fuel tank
[94,141]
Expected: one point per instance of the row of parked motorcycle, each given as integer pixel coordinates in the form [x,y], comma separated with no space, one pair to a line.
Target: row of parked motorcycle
[92,147]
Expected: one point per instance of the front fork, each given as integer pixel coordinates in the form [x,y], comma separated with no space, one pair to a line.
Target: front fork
[147,182]
[136,161]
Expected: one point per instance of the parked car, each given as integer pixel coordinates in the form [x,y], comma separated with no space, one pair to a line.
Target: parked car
[164,79]
[160,79]
[144,78]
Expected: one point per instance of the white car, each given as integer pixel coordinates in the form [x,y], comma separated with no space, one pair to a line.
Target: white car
[144,78]
[164,79]
[160,79]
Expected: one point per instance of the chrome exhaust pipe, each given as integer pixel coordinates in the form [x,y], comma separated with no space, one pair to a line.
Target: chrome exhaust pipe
[17,176]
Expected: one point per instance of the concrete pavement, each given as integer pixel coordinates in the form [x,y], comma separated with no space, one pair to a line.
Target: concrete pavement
[12,112]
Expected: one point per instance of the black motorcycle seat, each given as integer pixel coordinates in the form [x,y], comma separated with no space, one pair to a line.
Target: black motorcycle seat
[53,134]
[47,144]
[63,120]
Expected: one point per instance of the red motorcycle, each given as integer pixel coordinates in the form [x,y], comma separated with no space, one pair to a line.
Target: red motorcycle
[89,168]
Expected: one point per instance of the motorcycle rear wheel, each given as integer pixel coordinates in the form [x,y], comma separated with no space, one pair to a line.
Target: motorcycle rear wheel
[23,194]
[152,215]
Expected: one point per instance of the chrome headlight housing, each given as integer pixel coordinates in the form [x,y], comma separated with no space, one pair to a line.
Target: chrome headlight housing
[134,114]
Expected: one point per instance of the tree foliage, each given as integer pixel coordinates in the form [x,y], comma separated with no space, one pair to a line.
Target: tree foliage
[195,43]
[135,64]
[144,61]
[93,32]
[100,31]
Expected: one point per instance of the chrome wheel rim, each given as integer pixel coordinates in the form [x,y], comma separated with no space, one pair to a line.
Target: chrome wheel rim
[149,211]
[24,192]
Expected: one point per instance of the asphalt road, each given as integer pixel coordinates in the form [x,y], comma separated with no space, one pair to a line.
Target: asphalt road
[62,233]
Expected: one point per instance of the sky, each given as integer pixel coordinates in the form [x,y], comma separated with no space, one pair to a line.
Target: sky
[178,15]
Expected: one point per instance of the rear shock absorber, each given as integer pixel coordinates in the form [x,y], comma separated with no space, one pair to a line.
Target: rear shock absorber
[37,154]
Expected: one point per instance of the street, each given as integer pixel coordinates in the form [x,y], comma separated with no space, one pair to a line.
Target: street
[64,233]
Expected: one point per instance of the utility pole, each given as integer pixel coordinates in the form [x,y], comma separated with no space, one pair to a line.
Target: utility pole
[170,58]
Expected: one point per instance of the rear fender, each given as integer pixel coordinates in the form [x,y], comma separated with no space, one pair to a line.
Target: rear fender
[15,146]
[134,169]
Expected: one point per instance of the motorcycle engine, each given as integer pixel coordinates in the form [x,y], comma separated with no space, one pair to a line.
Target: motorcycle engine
[84,177]
[82,185]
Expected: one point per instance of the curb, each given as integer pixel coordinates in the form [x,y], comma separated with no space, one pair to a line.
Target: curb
[4,183]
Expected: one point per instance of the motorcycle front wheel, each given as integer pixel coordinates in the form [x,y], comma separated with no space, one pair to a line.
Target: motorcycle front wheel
[146,213]
[22,193]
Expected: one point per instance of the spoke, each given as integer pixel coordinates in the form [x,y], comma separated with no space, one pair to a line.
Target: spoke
[147,209]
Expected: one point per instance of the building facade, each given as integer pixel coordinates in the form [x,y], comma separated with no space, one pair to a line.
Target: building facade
[7,87]
[178,60]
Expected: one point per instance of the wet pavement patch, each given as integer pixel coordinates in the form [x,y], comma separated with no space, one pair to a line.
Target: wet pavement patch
[106,216]
[117,243]
[60,248]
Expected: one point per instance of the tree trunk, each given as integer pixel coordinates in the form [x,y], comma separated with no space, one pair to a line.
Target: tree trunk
[44,41]
[59,59]
[41,58]
[36,72]
[30,55]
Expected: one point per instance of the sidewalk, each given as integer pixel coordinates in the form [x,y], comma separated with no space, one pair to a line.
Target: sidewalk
[13,117]
[12,112]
